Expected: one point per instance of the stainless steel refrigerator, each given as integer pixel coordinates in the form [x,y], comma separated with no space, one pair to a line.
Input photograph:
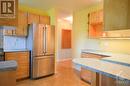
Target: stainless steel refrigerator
[41,43]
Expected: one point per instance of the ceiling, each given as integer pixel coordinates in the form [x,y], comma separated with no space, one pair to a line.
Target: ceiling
[66,6]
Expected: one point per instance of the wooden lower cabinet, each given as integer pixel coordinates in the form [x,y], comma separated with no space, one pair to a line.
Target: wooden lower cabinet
[8,78]
[108,81]
[86,75]
[22,59]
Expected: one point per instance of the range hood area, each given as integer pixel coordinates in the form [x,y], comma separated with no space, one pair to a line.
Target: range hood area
[122,34]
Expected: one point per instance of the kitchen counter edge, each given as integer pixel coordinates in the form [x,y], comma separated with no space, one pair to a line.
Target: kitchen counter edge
[8,65]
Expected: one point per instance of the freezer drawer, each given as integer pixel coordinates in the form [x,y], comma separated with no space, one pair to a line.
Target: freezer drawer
[43,66]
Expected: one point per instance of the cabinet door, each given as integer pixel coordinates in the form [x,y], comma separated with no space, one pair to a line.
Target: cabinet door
[8,78]
[116,14]
[10,56]
[92,18]
[108,81]
[45,20]
[86,75]
[43,66]
[100,16]
[22,59]
[96,24]
[33,18]
[22,24]
[96,17]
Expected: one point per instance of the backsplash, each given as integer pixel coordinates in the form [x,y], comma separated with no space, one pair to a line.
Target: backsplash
[116,45]
[14,43]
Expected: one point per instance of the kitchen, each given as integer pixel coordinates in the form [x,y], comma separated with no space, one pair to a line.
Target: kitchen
[87,37]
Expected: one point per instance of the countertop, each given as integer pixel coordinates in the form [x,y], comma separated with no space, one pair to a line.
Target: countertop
[104,53]
[109,69]
[17,50]
[8,65]
[118,58]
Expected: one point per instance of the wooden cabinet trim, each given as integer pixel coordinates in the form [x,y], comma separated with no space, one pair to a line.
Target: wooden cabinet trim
[45,20]
[33,18]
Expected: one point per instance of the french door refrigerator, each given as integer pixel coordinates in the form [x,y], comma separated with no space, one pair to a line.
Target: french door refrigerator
[41,42]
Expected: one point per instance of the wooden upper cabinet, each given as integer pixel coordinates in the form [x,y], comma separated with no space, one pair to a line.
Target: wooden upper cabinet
[116,14]
[95,20]
[38,19]
[95,31]
[21,28]
[24,19]
[33,18]
[22,24]
[96,17]
[45,20]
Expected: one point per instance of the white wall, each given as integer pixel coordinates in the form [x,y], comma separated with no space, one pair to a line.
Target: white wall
[63,54]
[80,38]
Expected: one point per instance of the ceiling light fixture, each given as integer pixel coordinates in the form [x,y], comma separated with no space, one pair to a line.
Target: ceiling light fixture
[70,19]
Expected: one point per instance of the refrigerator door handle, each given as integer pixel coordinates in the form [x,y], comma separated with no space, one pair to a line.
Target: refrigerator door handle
[45,39]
